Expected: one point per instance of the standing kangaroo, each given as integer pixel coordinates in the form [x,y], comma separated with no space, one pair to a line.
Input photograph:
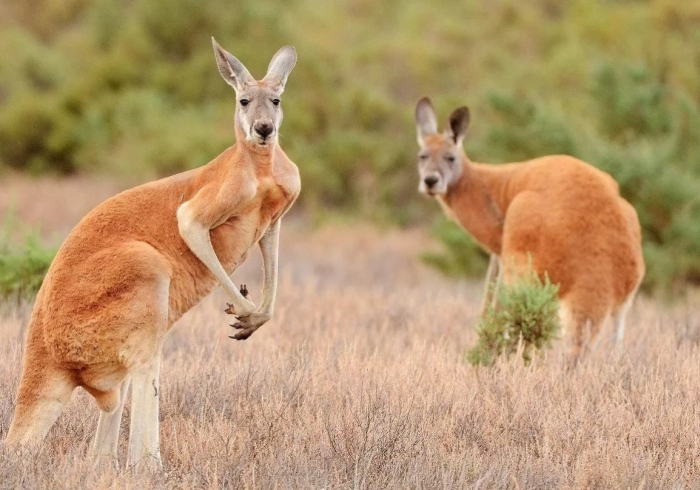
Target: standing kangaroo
[555,214]
[140,260]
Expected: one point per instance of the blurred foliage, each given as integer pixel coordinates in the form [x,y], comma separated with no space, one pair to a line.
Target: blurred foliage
[460,254]
[23,263]
[131,89]
[525,318]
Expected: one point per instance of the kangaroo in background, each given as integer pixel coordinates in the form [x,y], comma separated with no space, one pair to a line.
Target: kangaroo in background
[140,260]
[556,214]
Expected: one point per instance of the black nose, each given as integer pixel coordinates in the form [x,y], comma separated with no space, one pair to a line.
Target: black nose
[430,181]
[263,129]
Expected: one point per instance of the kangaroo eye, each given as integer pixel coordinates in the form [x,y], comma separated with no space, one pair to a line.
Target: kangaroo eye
[244,102]
[450,158]
[423,157]
[275,102]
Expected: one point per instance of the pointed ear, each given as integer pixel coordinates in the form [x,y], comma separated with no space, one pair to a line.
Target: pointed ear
[426,120]
[459,122]
[230,68]
[281,66]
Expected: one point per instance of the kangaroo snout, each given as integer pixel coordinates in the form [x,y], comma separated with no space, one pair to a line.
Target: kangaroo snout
[430,181]
[264,129]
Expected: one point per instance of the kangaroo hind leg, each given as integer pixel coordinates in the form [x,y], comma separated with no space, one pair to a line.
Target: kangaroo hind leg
[144,440]
[584,328]
[107,436]
[620,319]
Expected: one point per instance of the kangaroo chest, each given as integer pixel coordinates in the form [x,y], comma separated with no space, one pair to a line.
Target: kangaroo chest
[273,196]
[479,214]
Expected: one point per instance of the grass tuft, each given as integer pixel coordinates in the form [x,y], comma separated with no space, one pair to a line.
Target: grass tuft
[524,318]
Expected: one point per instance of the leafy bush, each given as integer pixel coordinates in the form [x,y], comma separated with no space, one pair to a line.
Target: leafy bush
[23,264]
[525,317]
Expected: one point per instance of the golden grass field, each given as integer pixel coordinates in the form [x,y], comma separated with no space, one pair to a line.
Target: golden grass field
[359,382]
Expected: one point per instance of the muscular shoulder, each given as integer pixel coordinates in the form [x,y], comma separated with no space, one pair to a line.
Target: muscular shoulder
[286,174]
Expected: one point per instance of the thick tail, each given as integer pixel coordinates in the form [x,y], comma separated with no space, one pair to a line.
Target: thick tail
[44,391]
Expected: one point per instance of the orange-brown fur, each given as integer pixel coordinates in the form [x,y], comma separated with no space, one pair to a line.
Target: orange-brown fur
[124,275]
[83,326]
[559,214]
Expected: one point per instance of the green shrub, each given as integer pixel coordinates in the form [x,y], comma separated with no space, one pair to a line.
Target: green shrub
[525,317]
[23,263]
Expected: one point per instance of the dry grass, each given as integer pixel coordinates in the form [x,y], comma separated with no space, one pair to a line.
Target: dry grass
[359,382]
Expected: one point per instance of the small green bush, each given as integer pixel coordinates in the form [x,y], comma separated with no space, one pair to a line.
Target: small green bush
[526,316]
[23,265]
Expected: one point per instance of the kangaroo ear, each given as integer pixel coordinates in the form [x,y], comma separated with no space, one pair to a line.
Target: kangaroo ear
[459,122]
[281,66]
[426,120]
[230,68]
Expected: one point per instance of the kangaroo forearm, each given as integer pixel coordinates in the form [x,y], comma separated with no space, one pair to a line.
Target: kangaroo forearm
[197,238]
[269,247]
[199,243]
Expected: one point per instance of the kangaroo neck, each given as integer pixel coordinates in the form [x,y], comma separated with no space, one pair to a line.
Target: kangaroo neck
[477,202]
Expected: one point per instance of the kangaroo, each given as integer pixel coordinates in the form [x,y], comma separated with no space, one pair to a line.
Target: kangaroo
[137,262]
[556,214]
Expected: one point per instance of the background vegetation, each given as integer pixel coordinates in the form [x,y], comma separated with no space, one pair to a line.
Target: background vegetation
[24,260]
[129,88]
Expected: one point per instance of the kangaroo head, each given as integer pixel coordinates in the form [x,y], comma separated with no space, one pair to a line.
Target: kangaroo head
[258,107]
[441,154]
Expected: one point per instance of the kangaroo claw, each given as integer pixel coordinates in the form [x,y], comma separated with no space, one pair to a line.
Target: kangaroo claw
[243,334]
